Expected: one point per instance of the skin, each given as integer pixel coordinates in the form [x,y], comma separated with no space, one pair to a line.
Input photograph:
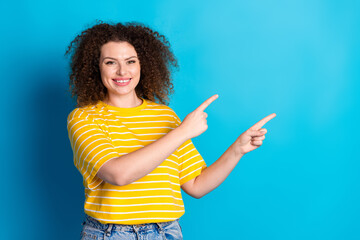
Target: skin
[135,165]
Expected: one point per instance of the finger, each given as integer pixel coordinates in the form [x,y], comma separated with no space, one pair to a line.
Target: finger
[255,133]
[205,104]
[258,138]
[256,143]
[205,115]
[263,121]
[263,130]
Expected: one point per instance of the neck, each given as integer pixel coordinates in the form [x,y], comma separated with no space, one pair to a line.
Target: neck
[128,101]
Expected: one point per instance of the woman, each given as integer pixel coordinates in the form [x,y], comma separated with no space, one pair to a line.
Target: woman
[135,154]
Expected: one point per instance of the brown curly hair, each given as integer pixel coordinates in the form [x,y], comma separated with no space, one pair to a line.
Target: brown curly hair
[156,59]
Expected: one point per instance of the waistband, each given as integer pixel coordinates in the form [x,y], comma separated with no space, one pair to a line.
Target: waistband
[90,221]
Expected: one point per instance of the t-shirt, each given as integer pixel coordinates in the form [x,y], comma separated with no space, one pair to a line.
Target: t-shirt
[99,133]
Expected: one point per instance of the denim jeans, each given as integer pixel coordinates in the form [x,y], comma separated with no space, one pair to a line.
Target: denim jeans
[92,229]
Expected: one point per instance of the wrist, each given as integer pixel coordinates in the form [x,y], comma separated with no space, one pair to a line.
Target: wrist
[180,134]
[237,150]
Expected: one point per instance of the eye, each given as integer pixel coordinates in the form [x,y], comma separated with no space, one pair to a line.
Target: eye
[109,62]
[131,61]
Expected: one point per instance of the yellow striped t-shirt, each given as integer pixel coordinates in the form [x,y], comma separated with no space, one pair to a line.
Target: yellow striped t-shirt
[101,132]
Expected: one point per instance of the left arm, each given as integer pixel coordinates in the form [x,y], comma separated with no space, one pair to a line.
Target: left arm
[216,173]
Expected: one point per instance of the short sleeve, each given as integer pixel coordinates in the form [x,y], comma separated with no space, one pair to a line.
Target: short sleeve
[191,164]
[91,146]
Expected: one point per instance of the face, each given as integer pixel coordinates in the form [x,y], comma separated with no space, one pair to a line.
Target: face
[120,70]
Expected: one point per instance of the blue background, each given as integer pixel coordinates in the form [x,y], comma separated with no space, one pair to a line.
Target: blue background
[299,59]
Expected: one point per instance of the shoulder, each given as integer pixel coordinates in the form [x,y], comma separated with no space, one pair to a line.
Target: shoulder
[87,112]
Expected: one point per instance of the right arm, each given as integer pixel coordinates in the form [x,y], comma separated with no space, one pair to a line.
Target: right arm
[131,167]
[135,165]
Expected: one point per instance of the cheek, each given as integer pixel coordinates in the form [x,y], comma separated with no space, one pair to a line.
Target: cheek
[105,78]
[108,73]
[135,72]
[139,71]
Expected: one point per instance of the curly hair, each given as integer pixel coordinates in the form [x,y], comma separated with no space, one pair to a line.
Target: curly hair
[156,59]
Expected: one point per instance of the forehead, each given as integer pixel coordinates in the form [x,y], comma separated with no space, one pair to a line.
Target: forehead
[117,50]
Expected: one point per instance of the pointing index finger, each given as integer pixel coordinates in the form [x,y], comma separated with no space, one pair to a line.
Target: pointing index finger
[263,121]
[205,104]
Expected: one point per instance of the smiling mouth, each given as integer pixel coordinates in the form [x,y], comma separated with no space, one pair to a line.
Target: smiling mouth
[122,81]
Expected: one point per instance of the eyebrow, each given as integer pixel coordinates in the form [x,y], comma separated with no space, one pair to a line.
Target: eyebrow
[116,59]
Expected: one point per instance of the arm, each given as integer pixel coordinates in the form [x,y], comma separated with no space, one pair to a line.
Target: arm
[135,165]
[130,167]
[216,173]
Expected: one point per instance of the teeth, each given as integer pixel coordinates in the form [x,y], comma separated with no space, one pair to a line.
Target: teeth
[122,81]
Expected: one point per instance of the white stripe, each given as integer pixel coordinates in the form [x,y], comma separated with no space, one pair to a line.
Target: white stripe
[147,109]
[145,134]
[114,126]
[120,133]
[141,116]
[172,161]
[187,152]
[134,219]
[81,113]
[129,146]
[81,134]
[136,190]
[148,122]
[97,134]
[73,144]
[161,109]
[102,115]
[88,162]
[133,139]
[176,184]
[134,205]
[100,119]
[73,134]
[190,166]
[163,196]
[124,140]
[76,154]
[96,180]
[162,115]
[162,174]
[184,146]
[190,173]
[190,158]
[89,143]
[168,168]
[77,123]
[84,160]
[149,211]
[70,118]
[150,128]
[137,134]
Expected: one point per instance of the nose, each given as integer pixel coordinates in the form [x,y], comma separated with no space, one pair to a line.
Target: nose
[121,70]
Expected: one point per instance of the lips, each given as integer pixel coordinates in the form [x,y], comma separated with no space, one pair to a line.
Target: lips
[121,81]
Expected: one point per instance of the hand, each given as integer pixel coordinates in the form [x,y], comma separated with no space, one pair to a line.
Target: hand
[252,138]
[195,122]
